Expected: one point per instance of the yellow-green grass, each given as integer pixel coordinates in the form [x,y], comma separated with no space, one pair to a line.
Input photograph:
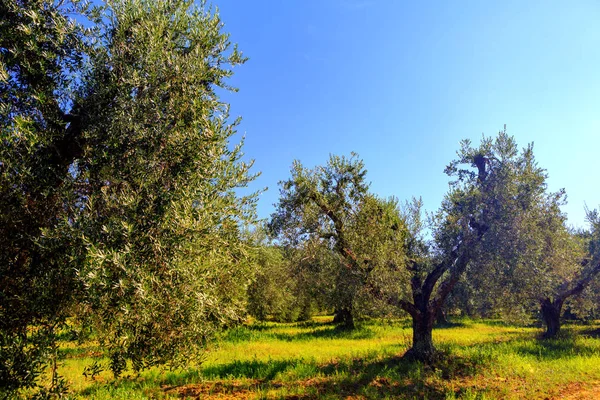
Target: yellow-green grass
[481,360]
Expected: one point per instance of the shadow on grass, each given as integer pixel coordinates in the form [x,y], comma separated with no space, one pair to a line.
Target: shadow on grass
[318,331]
[593,333]
[314,324]
[331,332]
[567,345]
[252,369]
[246,333]
[450,324]
[369,376]
[393,377]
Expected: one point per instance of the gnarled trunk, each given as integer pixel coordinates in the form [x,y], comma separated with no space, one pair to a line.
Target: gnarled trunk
[440,317]
[343,317]
[425,307]
[422,346]
[551,311]
[423,313]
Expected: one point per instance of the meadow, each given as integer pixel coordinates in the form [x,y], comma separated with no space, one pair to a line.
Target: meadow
[479,360]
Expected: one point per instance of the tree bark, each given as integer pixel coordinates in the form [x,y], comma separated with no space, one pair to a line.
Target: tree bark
[422,346]
[440,317]
[424,308]
[344,318]
[551,311]
[423,314]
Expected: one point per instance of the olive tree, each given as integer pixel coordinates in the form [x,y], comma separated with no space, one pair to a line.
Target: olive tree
[495,184]
[118,181]
[285,287]
[529,259]
[329,208]
[569,274]
[42,53]
[165,264]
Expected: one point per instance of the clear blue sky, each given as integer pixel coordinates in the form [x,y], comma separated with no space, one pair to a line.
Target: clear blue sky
[401,83]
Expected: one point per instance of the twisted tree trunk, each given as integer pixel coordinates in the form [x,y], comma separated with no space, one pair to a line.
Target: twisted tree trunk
[422,340]
[551,311]
[344,318]
[425,307]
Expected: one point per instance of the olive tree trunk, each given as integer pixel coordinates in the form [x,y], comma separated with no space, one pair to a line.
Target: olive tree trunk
[344,318]
[440,317]
[422,344]
[551,311]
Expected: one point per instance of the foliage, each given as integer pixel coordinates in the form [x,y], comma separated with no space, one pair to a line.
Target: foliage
[165,264]
[118,181]
[527,250]
[484,230]
[586,304]
[42,54]
[328,209]
[120,206]
[280,290]
[528,256]
[379,236]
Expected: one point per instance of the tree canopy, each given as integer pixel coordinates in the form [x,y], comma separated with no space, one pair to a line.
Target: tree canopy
[330,206]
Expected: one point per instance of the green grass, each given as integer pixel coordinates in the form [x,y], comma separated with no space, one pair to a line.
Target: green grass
[482,360]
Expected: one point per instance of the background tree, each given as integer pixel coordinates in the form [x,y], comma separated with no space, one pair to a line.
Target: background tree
[286,285]
[329,208]
[571,281]
[270,293]
[317,205]
[529,258]
[586,305]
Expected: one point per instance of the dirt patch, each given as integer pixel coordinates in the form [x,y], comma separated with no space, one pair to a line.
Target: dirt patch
[579,391]
[216,390]
[256,388]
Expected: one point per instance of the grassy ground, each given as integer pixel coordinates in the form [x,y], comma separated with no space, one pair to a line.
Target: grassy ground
[484,360]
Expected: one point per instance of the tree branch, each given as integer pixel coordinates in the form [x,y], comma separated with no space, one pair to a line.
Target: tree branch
[580,285]
[408,307]
[457,269]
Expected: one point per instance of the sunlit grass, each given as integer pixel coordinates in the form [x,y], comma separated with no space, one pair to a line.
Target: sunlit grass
[482,360]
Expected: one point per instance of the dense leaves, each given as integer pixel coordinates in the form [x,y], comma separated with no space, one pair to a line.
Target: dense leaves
[118,181]
[528,256]
[165,264]
[121,208]
[329,209]
[42,53]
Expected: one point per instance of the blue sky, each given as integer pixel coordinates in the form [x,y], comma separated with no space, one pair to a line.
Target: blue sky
[401,83]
